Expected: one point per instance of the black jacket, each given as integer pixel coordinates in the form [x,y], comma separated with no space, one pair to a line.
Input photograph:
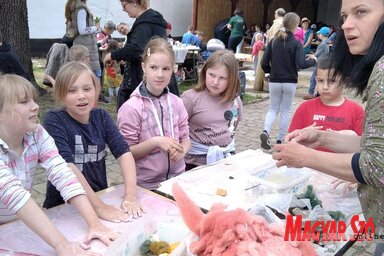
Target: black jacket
[149,24]
[10,62]
[282,59]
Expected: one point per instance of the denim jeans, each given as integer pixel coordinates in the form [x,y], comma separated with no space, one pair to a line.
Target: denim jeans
[281,97]
[312,83]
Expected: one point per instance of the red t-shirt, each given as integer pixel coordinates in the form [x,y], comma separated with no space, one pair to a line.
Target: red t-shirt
[347,116]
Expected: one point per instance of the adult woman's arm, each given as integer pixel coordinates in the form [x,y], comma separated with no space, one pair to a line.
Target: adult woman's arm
[82,24]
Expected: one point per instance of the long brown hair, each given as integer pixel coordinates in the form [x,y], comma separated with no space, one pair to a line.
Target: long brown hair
[226,58]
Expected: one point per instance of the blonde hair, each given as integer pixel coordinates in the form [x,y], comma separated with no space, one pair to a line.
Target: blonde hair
[78,53]
[290,23]
[158,44]
[68,74]
[227,59]
[11,88]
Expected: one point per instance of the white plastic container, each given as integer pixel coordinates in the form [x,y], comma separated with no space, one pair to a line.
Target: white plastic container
[283,179]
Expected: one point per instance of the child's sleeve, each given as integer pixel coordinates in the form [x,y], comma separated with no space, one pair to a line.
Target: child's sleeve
[56,128]
[183,122]
[129,123]
[114,139]
[188,103]
[358,121]
[297,120]
[57,169]
[12,194]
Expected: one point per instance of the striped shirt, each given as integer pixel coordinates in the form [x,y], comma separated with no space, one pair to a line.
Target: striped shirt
[17,172]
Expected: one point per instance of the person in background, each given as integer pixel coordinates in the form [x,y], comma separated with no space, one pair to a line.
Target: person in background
[282,59]
[81,133]
[76,53]
[169,29]
[299,35]
[123,29]
[308,34]
[9,61]
[358,58]
[199,40]
[330,111]
[154,122]
[81,18]
[321,50]
[112,71]
[148,23]
[189,38]
[277,24]
[257,46]
[24,144]
[236,25]
[105,34]
[214,110]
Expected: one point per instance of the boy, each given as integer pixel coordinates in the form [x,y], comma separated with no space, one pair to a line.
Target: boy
[321,50]
[76,53]
[330,111]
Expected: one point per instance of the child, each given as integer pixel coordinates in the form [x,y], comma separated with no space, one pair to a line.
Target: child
[214,109]
[23,145]
[330,111]
[76,53]
[112,71]
[153,121]
[321,50]
[81,133]
[257,46]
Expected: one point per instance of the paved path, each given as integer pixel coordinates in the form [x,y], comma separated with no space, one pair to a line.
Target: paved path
[247,137]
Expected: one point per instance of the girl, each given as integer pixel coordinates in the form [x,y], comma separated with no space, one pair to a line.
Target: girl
[112,71]
[358,57]
[154,121]
[214,109]
[23,145]
[282,58]
[81,133]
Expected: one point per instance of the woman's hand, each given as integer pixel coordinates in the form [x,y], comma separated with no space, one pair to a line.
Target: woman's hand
[308,136]
[101,232]
[291,155]
[110,213]
[70,249]
[133,207]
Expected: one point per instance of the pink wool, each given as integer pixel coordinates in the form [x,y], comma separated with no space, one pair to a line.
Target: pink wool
[235,232]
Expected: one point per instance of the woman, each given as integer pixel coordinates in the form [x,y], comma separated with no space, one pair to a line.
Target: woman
[308,34]
[78,13]
[283,57]
[358,59]
[148,23]
[236,24]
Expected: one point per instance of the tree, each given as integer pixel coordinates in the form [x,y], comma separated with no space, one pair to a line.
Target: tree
[15,31]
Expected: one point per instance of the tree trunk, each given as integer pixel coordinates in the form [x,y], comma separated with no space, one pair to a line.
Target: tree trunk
[15,31]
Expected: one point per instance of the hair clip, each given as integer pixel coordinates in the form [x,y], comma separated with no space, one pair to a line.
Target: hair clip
[283,29]
[149,52]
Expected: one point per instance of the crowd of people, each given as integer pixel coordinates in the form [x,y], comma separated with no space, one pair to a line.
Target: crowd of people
[160,135]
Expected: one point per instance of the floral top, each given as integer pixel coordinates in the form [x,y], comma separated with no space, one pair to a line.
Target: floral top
[371,160]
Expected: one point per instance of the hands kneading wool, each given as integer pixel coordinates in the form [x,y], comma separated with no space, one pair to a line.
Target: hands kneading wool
[235,232]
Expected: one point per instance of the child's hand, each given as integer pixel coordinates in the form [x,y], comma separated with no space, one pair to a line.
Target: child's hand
[132,207]
[70,249]
[110,213]
[348,186]
[101,232]
[168,143]
[176,155]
